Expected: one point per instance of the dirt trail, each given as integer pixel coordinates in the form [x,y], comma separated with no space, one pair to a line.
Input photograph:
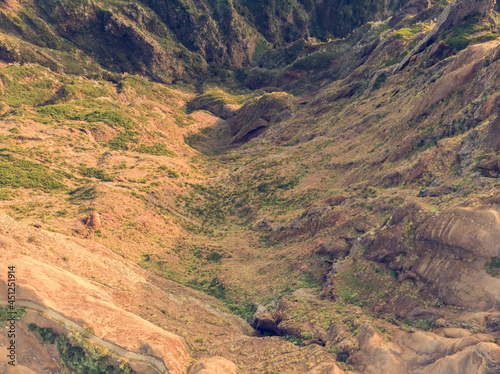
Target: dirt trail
[49,313]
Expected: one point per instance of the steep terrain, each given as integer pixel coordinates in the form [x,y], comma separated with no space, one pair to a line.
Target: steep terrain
[249,186]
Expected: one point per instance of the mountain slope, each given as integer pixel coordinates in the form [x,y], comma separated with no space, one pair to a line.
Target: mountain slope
[339,196]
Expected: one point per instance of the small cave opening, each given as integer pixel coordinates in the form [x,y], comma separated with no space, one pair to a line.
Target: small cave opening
[251,134]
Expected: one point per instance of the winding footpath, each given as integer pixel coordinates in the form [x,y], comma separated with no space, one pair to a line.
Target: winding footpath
[49,313]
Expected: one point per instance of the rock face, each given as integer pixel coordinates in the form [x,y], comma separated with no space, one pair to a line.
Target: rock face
[462,71]
[491,142]
[490,168]
[412,8]
[363,346]
[119,40]
[421,353]
[78,299]
[484,358]
[476,231]
[451,250]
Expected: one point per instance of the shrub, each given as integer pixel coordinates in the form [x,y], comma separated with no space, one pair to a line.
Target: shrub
[492,266]
[214,256]
[109,117]
[317,60]
[83,193]
[80,356]
[22,173]
[95,173]
[170,173]
[410,233]
[6,313]
[122,140]
[158,149]
[379,81]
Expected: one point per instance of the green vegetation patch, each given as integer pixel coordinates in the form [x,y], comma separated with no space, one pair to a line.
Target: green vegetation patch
[379,81]
[95,173]
[214,102]
[88,89]
[122,140]
[79,356]
[492,266]
[29,27]
[419,323]
[6,312]
[158,149]
[26,85]
[409,33]
[170,173]
[459,37]
[363,283]
[317,60]
[83,193]
[110,117]
[210,204]
[214,287]
[61,112]
[64,112]
[143,86]
[22,173]
[5,194]
[281,183]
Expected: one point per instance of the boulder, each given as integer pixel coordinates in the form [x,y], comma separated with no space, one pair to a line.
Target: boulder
[93,221]
[213,365]
[263,321]
[491,140]
[326,368]
[490,168]
[335,200]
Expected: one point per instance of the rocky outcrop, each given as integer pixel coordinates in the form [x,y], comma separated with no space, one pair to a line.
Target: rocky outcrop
[93,221]
[490,168]
[424,352]
[483,358]
[217,103]
[263,321]
[449,252]
[255,117]
[213,365]
[491,142]
[476,231]
[451,16]
[462,71]
[79,300]
[411,8]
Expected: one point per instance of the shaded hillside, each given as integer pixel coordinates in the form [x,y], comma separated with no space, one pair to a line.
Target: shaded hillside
[167,40]
[247,200]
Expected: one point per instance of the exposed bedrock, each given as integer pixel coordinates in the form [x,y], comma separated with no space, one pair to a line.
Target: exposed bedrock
[447,252]
[476,231]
